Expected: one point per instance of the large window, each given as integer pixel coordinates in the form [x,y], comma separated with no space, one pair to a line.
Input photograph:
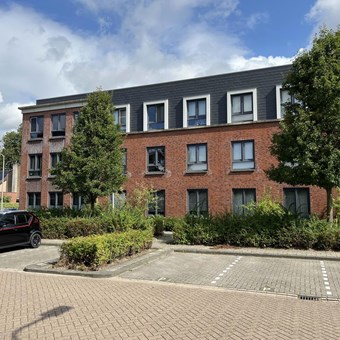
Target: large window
[297,200]
[55,159]
[243,155]
[156,115]
[119,116]
[282,98]
[156,159]
[56,200]
[197,157]
[58,124]
[34,200]
[196,111]
[242,197]
[242,106]
[198,201]
[35,165]
[77,201]
[157,206]
[37,127]
[118,199]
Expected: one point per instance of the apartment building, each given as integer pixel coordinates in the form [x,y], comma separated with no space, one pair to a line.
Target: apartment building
[202,144]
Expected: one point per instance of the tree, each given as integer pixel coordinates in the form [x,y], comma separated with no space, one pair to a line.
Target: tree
[91,166]
[307,145]
[11,142]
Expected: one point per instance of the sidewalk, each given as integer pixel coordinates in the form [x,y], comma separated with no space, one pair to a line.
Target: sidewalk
[165,243]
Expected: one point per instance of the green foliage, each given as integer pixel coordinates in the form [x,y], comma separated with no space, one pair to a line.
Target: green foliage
[12,147]
[92,164]
[267,224]
[308,144]
[95,251]
[7,199]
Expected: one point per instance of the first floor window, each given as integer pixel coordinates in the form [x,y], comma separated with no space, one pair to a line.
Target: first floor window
[197,157]
[297,200]
[34,200]
[56,200]
[55,159]
[243,155]
[35,165]
[156,159]
[157,206]
[119,116]
[198,201]
[37,127]
[58,124]
[241,198]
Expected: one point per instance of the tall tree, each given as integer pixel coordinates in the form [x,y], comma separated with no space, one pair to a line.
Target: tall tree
[308,144]
[91,165]
[11,142]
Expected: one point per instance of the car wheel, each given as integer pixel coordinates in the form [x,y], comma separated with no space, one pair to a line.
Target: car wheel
[35,240]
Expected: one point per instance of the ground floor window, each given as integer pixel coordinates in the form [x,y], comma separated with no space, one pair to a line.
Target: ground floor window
[297,201]
[117,199]
[157,206]
[56,200]
[77,202]
[198,201]
[34,200]
[241,198]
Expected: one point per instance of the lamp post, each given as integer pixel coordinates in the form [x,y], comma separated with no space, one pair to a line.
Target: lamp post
[3,178]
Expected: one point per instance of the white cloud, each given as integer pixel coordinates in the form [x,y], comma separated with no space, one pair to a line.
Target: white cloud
[325,13]
[155,41]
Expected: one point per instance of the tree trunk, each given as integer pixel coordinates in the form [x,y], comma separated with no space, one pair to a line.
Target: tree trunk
[329,205]
[92,202]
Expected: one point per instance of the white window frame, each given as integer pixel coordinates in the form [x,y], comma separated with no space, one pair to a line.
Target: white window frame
[278,101]
[239,92]
[185,109]
[127,109]
[166,113]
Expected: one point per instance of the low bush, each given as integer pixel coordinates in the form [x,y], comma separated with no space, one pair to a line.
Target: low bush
[89,253]
[65,227]
[265,224]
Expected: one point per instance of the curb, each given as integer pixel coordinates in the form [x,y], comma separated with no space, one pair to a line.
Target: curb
[117,269]
[240,253]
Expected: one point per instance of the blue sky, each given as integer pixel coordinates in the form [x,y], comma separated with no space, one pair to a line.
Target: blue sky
[51,47]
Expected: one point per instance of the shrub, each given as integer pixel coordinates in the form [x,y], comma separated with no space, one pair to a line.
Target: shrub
[6,199]
[65,227]
[94,251]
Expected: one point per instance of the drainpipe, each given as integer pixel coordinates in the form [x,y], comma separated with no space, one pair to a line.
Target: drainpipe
[3,178]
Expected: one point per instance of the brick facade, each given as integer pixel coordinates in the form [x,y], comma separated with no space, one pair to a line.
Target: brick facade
[219,179]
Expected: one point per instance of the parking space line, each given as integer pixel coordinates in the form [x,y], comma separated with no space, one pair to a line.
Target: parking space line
[226,270]
[325,279]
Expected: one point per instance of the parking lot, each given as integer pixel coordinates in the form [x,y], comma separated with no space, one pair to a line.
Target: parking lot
[20,257]
[307,278]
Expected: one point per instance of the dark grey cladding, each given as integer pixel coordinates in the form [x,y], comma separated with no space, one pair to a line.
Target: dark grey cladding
[264,80]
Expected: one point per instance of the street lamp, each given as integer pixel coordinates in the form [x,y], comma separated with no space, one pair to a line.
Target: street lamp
[3,178]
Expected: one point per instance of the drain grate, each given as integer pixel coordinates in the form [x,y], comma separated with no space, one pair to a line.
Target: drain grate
[308,297]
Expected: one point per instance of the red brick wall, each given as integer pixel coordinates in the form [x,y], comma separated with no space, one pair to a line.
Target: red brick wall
[219,179]
[12,196]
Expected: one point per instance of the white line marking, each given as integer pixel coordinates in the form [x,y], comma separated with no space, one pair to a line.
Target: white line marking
[225,270]
[325,278]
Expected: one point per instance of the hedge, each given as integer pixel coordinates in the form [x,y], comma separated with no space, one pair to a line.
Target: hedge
[89,253]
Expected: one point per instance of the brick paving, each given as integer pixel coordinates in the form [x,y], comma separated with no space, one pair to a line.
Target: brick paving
[40,306]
